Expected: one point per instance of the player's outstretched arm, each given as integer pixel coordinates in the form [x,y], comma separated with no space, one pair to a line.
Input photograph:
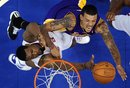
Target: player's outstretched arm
[79,66]
[68,22]
[102,28]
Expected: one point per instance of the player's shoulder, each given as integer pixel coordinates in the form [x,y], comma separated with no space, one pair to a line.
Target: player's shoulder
[100,21]
[101,26]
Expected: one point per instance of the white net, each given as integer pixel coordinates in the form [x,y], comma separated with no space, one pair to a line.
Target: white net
[45,75]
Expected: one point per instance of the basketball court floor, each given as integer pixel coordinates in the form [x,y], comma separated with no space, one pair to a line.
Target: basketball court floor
[35,11]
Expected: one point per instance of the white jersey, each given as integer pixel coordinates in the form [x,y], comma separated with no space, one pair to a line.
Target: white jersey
[122,23]
[61,40]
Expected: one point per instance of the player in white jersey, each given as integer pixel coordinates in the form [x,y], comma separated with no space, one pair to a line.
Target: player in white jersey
[42,58]
[36,54]
[121,23]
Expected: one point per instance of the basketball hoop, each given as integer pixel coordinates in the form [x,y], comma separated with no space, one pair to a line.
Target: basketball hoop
[49,70]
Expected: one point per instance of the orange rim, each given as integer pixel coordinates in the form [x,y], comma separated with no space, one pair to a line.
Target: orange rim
[52,61]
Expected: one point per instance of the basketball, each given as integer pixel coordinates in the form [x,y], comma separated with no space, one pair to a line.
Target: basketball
[104,72]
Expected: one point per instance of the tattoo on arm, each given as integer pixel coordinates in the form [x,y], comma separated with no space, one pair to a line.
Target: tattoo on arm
[108,39]
[68,22]
[65,22]
[53,26]
[102,28]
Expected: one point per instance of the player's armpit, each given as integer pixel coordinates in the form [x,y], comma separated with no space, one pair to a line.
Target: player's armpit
[31,64]
[31,32]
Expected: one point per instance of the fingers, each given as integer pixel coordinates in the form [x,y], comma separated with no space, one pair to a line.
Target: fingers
[92,62]
[55,52]
[110,16]
[123,76]
[121,72]
[92,58]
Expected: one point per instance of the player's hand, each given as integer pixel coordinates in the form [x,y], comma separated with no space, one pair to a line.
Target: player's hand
[121,72]
[41,40]
[55,51]
[110,16]
[75,34]
[90,64]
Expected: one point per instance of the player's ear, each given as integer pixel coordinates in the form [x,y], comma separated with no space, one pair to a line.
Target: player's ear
[81,17]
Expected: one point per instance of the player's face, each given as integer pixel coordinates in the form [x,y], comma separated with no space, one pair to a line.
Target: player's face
[88,21]
[33,51]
